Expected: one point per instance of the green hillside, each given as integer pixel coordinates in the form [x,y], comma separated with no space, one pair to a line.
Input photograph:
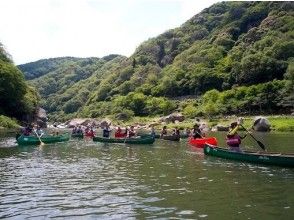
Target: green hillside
[234,57]
[18,100]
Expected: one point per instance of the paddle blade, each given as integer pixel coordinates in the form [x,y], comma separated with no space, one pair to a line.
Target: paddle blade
[261,145]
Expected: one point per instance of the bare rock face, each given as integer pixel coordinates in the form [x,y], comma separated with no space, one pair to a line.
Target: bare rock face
[41,118]
[261,124]
[173,118]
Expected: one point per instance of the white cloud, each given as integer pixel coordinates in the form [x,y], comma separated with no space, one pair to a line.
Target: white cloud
[36,29]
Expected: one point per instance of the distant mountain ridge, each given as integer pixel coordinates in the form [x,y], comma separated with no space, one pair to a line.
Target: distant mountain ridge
[227,45]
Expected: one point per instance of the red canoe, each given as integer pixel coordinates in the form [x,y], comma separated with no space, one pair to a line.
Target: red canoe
[200,142]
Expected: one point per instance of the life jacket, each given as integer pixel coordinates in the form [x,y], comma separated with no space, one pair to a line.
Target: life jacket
[119,135]
[90,133]
[233,140]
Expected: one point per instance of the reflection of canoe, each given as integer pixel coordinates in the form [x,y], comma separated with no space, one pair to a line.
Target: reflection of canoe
[139,140]
[79,135]
[286,160]
[200,142]
[33,140]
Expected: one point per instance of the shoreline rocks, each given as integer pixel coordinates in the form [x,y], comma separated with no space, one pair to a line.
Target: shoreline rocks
[261,124]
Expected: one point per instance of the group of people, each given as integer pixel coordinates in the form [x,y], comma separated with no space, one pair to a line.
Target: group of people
[88,131]
[119,133]
[77,130]
[106,131]
[233,139]
[196,131]
[32,129]
[36,130]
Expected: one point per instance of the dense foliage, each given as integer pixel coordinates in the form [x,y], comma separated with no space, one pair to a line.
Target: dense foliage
[240,53]
[17,98]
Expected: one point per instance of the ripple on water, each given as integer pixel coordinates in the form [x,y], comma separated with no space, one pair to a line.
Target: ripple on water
[90,181]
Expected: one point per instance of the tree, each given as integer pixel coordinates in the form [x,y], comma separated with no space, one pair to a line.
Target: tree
[12,89]
[258,68]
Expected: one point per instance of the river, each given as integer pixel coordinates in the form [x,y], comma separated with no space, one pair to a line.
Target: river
[167,180]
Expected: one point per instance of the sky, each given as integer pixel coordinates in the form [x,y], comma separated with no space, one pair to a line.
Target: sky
[37,29]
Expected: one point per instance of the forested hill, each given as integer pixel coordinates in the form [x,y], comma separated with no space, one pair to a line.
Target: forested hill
[17,98]
[232,56]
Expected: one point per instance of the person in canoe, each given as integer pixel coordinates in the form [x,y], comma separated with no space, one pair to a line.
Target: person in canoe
[27,130]
[187,132]
[233,139]
[79,130]
[131,132]
[196,132]
[39,131]
[74,130]
[163,131]
[89,132]
[119,133]
[106,131]
[152,131]
[55,129]
[176,132]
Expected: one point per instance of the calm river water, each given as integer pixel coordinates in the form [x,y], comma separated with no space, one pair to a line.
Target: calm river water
[166,180]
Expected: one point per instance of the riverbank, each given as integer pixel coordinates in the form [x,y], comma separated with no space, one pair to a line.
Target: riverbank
[279,123]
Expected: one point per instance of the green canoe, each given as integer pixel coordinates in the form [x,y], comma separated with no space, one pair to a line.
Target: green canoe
[285,160]
[79,135]
[171,137]
[139,140]
[33,140]
[158,135]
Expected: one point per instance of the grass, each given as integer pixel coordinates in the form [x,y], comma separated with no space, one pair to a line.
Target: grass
[282,123]
[6,122]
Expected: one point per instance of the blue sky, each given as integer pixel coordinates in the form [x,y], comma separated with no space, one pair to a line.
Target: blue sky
[35,29]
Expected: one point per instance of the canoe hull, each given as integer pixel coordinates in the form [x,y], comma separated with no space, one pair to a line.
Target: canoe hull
[144,140]
[200,142]
[171,137]
[284,160]
[33,140]
[77,135]
[157,136]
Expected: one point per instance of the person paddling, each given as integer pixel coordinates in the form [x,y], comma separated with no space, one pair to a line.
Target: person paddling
[163,131]
[119,133]
[27,130]
[106,131]
[196,132]
[176,132]
[152,131]
[131,132]
[233,139]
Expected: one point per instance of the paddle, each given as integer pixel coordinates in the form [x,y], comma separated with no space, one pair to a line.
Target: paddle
[261,145]
[126,136]
[41,142]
